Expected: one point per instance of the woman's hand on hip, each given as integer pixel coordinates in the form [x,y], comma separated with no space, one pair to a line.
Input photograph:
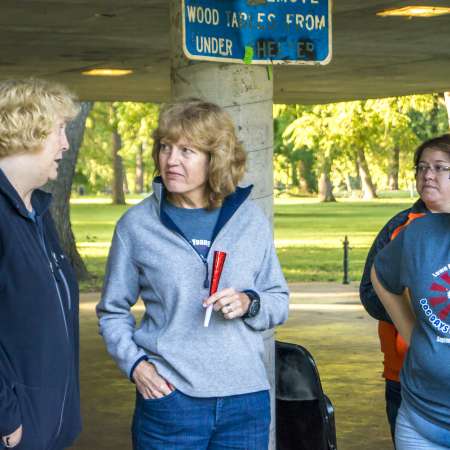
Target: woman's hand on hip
[13,439]
[149,383]
[230,302]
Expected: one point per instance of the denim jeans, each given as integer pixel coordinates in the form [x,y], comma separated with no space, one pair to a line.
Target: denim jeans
[393,396]
[180,422]
[408,438]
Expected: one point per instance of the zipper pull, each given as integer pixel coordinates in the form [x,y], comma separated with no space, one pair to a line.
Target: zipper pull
[206,281]
[55,259]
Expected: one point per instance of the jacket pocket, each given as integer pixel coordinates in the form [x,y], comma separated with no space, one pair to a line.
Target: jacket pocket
[41,410]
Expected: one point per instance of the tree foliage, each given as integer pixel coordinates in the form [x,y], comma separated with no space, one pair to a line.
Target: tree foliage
[356,145]
[134,123]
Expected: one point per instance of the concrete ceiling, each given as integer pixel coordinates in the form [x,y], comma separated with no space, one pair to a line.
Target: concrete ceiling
[372,56]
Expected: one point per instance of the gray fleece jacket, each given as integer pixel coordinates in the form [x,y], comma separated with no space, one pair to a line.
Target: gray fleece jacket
[149,258]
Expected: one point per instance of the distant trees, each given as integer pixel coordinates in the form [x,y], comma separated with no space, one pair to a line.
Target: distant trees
[116,152]
[358,145]
[295,163]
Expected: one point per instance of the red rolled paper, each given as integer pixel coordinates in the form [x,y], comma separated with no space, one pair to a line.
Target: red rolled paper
[218,262]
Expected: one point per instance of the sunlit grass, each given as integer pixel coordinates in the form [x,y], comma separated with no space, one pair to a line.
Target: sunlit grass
[308,234]
[132,199]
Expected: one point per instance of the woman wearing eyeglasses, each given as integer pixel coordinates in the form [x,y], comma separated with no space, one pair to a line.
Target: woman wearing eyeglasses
[432,164]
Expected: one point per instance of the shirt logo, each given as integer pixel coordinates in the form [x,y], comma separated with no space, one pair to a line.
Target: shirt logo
[437,306]
[201,242]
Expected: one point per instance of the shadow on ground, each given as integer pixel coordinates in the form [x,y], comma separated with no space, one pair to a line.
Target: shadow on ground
[325,318]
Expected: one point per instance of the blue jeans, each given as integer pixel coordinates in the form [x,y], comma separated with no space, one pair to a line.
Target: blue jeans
[408,438]
[180,422]
[393,395]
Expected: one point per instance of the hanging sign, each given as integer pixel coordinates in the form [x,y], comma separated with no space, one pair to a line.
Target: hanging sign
[258,31]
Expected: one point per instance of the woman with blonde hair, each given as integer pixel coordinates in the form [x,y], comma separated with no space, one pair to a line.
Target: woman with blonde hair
[39,382]
[197,387]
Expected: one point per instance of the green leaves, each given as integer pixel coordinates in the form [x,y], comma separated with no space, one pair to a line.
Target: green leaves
[333,134]
[135,123]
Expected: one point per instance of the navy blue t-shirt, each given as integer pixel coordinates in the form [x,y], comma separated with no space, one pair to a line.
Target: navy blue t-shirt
[196,224]
[419,259]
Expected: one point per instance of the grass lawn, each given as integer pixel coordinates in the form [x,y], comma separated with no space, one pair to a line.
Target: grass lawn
[308,234]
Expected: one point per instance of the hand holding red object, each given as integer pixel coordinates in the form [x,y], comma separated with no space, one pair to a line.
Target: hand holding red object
[218,262]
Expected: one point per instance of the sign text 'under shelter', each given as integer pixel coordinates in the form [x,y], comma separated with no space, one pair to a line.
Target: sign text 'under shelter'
[258,31]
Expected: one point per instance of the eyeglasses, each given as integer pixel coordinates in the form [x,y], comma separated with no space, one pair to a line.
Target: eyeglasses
[438,169]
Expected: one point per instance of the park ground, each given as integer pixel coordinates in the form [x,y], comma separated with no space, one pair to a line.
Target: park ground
[308,234]
[325,316]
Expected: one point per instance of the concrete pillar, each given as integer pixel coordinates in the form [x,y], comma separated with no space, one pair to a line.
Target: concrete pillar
[246,92]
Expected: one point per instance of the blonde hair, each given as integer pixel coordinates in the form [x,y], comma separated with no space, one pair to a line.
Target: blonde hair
[210,129]
[29,109]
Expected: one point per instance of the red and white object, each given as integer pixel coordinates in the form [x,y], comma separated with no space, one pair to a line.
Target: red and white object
[218,262]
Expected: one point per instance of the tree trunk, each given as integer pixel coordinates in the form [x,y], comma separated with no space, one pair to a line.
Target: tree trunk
[434,116]
[139,180]
[306,180]
[61,190]
[447,104]
[295,180]
[325,185]
[394,166]
[358,183]
[126,190]
[118,195]
[348,183]
[367,185]
[302,181]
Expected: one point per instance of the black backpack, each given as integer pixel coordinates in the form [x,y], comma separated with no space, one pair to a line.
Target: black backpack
[304,414]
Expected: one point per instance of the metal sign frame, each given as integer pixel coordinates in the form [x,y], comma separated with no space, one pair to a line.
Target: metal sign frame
[249,59]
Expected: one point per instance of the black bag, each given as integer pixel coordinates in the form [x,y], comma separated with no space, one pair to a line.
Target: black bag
[304,414]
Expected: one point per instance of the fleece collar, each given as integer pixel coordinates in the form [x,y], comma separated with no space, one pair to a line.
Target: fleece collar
[230,205]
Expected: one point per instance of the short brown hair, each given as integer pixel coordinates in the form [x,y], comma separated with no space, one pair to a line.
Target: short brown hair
[210,129]
[28,111]
[440,143]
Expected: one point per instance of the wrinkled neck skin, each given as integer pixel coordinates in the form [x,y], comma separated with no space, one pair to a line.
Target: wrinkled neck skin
[19,173]
[187,201]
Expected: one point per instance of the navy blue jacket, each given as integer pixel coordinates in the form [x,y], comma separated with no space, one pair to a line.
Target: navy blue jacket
[367,294]
[39,336]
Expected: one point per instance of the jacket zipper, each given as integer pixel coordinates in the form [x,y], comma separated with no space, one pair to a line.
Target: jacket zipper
[202,258]
[221,231]
[206,280]
[63,405]
[64,279]
[44,248]
[60,299]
